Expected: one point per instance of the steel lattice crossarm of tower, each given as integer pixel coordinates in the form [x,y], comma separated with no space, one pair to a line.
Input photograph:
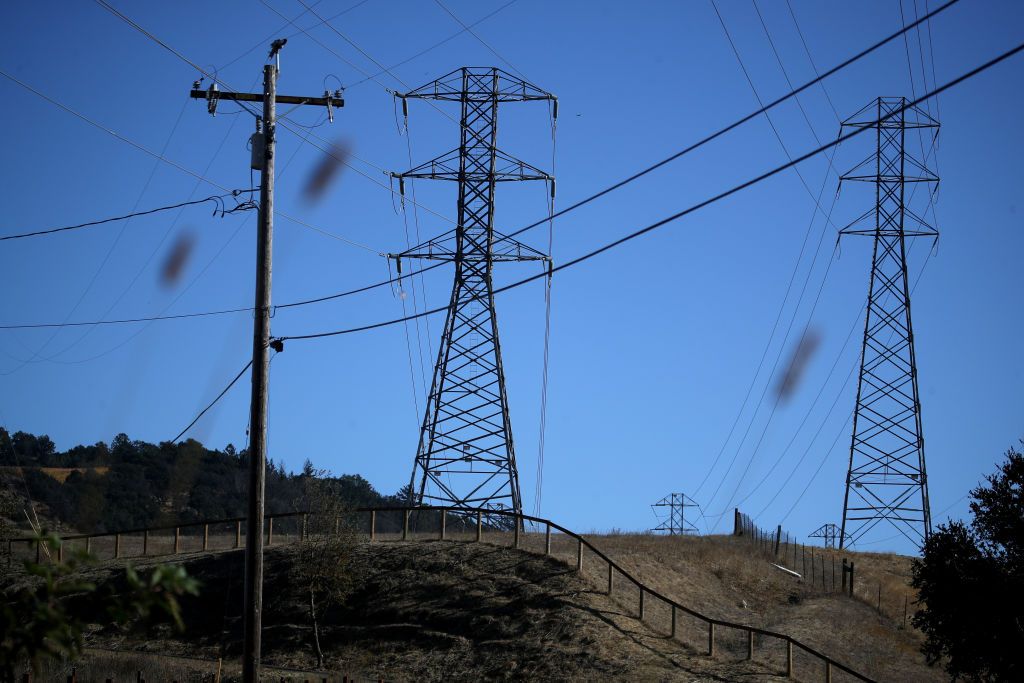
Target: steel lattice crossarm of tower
[887,476]
[830,533]
[675,523]
[466,456]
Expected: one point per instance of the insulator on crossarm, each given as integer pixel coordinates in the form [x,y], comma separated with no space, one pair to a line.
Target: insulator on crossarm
[401,186]
[405,109]
[554,109]
[552,180]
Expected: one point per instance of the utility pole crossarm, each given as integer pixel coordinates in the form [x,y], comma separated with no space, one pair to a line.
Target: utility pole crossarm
[258,97]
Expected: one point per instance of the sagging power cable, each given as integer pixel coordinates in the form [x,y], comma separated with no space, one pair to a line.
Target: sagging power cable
[217,199]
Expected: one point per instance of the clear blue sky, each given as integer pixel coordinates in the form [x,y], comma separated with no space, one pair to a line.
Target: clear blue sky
[653,345]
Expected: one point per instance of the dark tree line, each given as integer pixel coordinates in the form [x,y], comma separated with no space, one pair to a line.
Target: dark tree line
[134,484]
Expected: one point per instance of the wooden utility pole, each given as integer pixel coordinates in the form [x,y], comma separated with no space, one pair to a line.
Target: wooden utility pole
[253,589]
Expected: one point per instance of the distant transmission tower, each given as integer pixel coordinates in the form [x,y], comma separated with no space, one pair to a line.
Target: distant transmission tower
[887,477]
[675,523]
[829,533]
[465,455]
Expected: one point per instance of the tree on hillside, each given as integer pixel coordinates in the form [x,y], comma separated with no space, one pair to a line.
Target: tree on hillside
[971,583]
[323,568]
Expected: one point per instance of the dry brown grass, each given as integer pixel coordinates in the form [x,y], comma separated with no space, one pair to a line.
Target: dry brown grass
[460,611]
[726,578]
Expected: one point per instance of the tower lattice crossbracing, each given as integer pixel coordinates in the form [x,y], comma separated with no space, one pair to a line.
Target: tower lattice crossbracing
[466,455]
[887,481]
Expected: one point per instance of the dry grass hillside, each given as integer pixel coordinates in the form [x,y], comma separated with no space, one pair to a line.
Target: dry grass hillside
[454,610]
[725,577]
[425,610]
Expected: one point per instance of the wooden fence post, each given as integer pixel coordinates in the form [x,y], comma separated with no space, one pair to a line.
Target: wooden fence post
[88,544]
[515,534]
[305,526]
[206,536]
[711,639]
[270,530]
[579,555]
[828,671]
[479,526]
[405,526]
[177,539]
[851,578]
[373,525]
[778,539]
[750,645]
[879,598]
[673,621]
[844,575]
[117,546]
[610,569]
[547,539]
[145,542]
[444,522]
[641,610]
[60,553]
[238,533]
[789,658]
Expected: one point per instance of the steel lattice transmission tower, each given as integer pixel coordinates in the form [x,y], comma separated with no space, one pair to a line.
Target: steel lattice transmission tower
[466,455]
[829,533]
[887,480]
[675,523]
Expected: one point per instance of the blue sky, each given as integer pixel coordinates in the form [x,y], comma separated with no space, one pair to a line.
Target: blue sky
[653,345]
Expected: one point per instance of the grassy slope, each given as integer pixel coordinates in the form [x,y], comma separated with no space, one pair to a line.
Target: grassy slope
[434,611]
[462,611]
[725,578]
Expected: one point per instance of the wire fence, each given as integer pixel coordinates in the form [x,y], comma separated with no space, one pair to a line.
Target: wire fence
[824,569]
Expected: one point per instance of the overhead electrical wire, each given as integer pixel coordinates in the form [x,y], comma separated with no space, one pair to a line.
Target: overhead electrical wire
[872,48]
[212,403]
[819,78]
[739,122]
[432,47]
[276,34]
[480,40]
[792,278]
[36,353]
[173,163]
[691,209]
[216,199]
[282,123]
[771,124]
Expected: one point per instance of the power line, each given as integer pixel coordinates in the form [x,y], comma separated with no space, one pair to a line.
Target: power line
[225,311]
[771,124]
[479,39]
[213,403]
[739,122]
[695,207]
[216,199]
[175,164]
[283,124]
[851,60]
[819,78]
[432,47]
